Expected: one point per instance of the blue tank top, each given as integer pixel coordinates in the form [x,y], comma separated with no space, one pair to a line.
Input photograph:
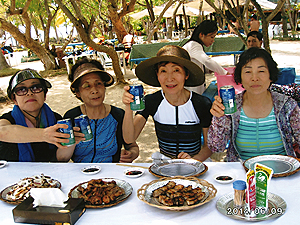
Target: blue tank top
[258,136]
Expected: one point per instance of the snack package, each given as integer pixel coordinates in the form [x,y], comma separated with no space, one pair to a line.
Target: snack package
[263,176]
[250,193]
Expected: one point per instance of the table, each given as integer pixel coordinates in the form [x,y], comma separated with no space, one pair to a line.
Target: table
[134,211]
[221,44]
[150,50]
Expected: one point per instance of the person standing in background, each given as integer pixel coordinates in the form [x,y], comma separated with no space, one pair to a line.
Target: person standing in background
[203,35]
[254,23]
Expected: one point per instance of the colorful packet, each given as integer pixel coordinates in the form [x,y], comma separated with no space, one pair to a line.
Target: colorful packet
[250,193]
[263,176]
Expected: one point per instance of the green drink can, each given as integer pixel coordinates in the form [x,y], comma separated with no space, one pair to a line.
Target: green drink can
[227,93]
[68,130]
[138,95]
[83,123]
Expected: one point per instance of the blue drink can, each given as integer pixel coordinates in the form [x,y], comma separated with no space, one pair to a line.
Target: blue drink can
[68,130]
[83,123]
[227,93]
[138,94]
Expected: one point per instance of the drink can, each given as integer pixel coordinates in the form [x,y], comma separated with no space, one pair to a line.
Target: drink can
[138,94]
[227,93]
[83,123]
[68,130]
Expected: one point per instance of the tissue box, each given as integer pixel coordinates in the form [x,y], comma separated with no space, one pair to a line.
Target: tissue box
[25,213]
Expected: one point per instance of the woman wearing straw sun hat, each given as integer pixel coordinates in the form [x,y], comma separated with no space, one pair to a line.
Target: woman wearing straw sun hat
[88,83]
[179,115]
[21,135]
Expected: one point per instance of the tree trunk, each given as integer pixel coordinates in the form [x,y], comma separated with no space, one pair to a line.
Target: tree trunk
[84,29]
[154,25]
[46,58]
[284,22]
[3,62]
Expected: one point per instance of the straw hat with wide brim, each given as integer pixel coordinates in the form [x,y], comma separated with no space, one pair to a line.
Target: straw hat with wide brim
[146,70]
[87,68]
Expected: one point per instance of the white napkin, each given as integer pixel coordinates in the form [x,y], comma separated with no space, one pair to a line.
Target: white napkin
[48,197]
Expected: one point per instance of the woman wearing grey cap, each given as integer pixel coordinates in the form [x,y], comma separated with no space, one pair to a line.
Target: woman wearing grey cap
[88,83]
[21,135]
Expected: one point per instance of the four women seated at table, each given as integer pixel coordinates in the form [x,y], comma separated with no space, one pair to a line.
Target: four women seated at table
[266,122]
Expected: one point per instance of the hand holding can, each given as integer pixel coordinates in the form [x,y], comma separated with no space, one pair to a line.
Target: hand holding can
[138,96]
[68,130]
[83,123]
[227,93]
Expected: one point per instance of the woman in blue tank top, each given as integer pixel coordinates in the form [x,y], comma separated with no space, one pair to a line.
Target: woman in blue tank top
[265,123]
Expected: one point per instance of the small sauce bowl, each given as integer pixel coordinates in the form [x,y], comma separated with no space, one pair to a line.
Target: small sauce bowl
[134,172]
[91,170]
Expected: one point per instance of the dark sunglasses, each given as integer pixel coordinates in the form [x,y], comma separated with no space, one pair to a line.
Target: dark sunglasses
[36,88]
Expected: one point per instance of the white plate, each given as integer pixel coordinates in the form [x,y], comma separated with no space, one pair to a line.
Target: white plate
[2,163]
[91,170]
[140,172]
[218,177]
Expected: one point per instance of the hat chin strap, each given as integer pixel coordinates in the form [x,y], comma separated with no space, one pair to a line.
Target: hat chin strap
[37,118]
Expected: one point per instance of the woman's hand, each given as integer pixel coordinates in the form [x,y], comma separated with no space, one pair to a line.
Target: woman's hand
[130,153]
[53,136]
[78,135]
[183,155]
[217,108]
[127,97]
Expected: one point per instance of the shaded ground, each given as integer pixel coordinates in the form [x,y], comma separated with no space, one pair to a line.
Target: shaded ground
[60,98]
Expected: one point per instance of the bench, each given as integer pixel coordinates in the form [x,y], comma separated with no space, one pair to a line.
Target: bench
[138,60]
[234,53]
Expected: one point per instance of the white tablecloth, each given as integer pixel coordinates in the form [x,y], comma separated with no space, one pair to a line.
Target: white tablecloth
[133,210]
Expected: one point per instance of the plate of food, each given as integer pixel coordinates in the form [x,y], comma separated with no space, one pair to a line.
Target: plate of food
[134,172]
[282,165]
[90,170]
[177,193]
[276,208]
[94,192]
[178,167]
[18,192]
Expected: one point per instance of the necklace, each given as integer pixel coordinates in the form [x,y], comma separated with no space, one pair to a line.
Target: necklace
[37,118]
[86,113]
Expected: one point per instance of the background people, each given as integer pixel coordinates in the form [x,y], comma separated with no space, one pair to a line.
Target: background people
[203,35]
[254,39]
[88,83]
[254,24]
[179,115]
[265,123]
[21,134]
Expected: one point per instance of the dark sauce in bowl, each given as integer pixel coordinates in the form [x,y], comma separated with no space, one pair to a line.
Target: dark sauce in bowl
[134,172]
[90,170]
[225,178]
